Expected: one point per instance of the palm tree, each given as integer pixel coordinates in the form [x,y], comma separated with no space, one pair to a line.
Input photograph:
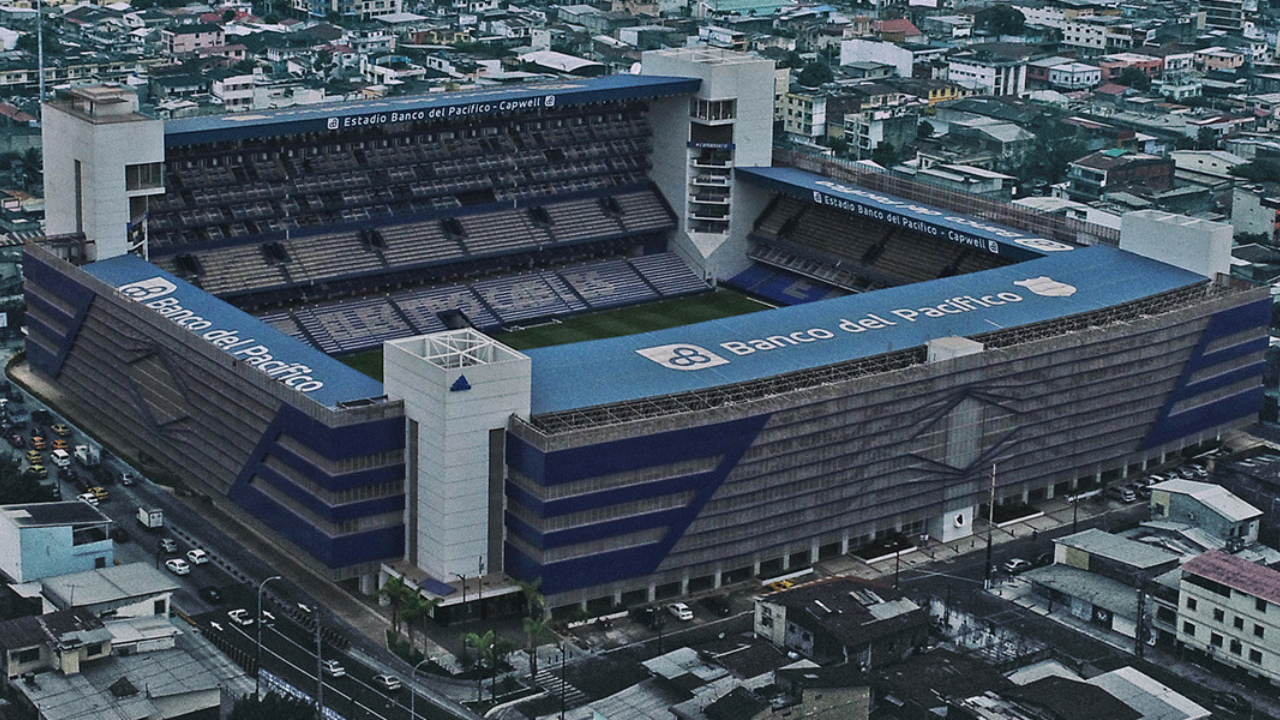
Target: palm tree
[416,606]
[397,591]
[535,629]
[491,650]
[535,603]
[484,651]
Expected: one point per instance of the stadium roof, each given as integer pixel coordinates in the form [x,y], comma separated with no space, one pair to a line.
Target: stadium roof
[761,345]
[443,106]
[974,232]
[282,358]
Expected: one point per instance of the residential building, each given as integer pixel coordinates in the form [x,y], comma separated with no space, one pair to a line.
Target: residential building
[1112,170]
[1111,65]
[233,90]
[1074,76]
[1255,209]
[883,115]
[1229,15]
[1211,510]
[40,540]
[989,71]
[119,592]
[63,640]
[842,619]
[1218,58]
[186,39]
[1229,609]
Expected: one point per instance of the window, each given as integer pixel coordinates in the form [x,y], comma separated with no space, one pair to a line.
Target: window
[1238,622]
[1215,639]
[1255,656]
[1219,615]
[160,608]
[1260,604]
[1257,630]
[1189,628]
[29,655]
[1191,603]
[1235,647]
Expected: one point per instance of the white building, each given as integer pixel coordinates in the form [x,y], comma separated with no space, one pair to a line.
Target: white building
[1074,76]
[1229,609]
[45,539]
[988,75]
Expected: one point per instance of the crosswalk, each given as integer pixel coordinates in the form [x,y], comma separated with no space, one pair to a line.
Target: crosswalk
[550,681]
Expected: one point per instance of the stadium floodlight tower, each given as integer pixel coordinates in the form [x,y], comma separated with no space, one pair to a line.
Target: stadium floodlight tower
[459,389]
[109,157]
[728,124]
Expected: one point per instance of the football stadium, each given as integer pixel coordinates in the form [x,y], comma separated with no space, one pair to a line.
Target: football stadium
[203,280]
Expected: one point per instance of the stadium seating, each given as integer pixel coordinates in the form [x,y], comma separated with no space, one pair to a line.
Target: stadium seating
[345,326]
[853,252]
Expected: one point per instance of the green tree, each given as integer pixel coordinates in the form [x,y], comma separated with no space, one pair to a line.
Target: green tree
[815,74]
[535,605]
[272,706]
[416,607]
[396,590]
[885,154]
[1261,169]
[1134,78]
[1206,139]
[535,631]
[1000,20]
[925,129]
[491,651]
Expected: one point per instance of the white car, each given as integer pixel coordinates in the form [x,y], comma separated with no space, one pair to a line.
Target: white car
[168,545]
[240,616]
[680,611]
[89,498]
[197,556]
[333,668]
[387,682]
[178,566]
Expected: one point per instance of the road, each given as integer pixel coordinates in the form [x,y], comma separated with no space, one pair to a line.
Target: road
[237,575]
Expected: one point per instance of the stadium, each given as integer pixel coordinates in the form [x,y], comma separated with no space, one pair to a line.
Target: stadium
[202,278]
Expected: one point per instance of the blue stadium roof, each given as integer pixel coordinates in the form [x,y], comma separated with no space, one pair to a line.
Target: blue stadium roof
[244,337]
[442,106]
[974,232]
[764,344]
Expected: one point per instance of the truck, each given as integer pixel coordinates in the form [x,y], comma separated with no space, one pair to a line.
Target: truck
[152,520]
[88,455]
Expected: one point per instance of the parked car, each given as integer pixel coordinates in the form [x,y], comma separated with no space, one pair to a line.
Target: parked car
[59,444]
[16,440]
[649,617]
[680,611]
[168,545]
[387,682]
[719,605]
[240,616]
[61,429]
[1014,566]
[38,472]
[34,457]
[333,668]
[127,479]
[1043,559]
[196,556]
[38,442]
[99,492]
[1231,702]
[178,566]
[1123,493]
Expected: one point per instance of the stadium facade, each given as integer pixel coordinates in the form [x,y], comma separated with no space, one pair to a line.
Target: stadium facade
[199,275]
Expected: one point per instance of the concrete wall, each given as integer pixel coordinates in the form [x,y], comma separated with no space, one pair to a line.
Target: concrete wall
[1197,245]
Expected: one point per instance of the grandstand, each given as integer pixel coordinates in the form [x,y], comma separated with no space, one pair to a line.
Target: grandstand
[346,240]
[920,344]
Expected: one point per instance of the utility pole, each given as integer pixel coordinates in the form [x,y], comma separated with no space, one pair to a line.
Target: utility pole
[40,50]
[319,670]
[991,523]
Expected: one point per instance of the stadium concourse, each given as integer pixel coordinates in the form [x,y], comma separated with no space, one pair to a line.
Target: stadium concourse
[201,276]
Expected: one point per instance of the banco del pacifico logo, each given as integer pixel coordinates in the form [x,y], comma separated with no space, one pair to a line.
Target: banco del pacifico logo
[683,356]
[144,290]
[1047,287]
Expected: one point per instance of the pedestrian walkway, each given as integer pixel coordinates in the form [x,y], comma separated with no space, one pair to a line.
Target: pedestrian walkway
[556,686]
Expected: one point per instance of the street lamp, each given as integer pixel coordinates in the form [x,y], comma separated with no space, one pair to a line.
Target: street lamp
[257,674]
[463,579]
[413,696]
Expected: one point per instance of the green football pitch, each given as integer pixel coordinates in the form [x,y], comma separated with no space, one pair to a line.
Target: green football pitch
[607,323]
